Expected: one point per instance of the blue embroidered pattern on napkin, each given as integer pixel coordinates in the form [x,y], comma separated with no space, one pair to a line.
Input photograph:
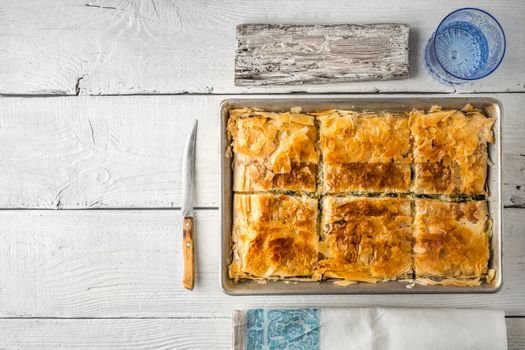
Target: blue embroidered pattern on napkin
[296,329]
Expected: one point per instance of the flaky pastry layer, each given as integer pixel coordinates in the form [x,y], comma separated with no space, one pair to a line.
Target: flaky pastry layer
[364,151]
[273,235]
[361,239]
[451,241]
[450,151]
[365,239]
[273,151]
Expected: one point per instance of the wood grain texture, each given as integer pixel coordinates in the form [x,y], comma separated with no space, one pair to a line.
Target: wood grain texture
[316,54]
[104,151]
[125,152]
[115,334]
[188,275]
[120,263]
[515,333]
[29,334]
[172,46]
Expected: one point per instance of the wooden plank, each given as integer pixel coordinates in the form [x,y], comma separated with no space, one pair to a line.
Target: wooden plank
[121,263]
[162,46]
[515,333]
[104,151]
[42,334]
[102,334]
[115,334]
[514,180]
[125,152]
[316,54]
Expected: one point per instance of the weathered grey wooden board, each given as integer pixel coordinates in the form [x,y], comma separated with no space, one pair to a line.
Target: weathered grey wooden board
[270,54]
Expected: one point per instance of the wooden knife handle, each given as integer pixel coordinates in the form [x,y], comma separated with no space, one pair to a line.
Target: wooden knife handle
[187,250]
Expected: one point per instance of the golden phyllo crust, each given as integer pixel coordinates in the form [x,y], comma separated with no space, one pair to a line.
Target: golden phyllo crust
[364,151]
[274,236]
[365,239]
[273,151]
[389,191]
[451,242]
[450,151]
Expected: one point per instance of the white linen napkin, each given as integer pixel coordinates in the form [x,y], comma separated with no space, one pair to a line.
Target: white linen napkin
[369,328]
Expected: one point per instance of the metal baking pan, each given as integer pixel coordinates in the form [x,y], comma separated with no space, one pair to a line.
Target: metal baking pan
[492,108]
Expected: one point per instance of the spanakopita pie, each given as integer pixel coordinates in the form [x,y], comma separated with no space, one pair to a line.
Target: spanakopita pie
[365,239]
[451,242]
[450,151]
[274,236]
[273,151]
[364,152]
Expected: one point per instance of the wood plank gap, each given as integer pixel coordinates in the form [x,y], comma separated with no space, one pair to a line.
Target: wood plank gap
[109,208]
[148,318]
[376,91]
[121,318]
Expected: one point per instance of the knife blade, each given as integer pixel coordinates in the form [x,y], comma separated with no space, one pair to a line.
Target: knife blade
[187,201]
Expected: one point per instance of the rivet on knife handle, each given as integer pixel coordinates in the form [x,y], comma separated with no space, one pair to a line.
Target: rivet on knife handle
[187,250]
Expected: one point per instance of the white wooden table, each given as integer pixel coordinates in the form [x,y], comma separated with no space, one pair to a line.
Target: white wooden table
[104,272]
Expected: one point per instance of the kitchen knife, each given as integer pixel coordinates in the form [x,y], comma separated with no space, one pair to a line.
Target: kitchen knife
[187,198]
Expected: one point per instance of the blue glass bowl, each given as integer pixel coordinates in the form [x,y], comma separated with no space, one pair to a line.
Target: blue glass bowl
[468,44]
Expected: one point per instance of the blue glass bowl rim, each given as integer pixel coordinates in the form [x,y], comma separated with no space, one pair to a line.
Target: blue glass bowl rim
[502,32]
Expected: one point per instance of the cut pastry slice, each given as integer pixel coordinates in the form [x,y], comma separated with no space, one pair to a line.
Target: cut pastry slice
[273,151]
[451,242]
[274,236]
[365,239]
[450,151]
[364,151]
